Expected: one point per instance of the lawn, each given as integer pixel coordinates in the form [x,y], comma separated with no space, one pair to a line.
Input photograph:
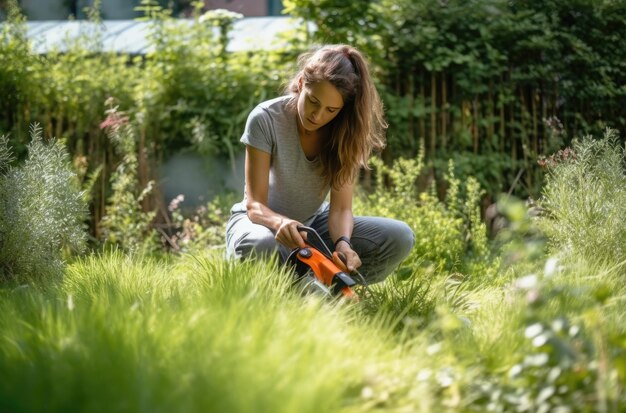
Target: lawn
[533,323]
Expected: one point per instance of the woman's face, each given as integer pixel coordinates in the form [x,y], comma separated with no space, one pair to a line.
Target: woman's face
[318,104]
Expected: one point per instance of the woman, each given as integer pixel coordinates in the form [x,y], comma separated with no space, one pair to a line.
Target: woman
[300,147]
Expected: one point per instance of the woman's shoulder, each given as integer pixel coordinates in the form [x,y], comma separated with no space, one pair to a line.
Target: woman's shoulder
[268,122]
[274,110]
[278,104]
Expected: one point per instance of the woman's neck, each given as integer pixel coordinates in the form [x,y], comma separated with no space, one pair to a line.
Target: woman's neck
[310,141]
[303,133]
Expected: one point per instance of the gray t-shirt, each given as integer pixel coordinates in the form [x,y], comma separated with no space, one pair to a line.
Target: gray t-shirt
[296,189]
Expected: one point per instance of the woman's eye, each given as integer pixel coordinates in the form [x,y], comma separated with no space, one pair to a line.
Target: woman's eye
[332,110]
[312,101]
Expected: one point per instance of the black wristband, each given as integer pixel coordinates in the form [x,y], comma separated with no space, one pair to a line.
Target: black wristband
[343,238]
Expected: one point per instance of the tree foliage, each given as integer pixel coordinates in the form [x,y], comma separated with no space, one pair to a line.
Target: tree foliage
[481,77]
[187,93]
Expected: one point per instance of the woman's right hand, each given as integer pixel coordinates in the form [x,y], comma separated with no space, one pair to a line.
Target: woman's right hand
[288,234]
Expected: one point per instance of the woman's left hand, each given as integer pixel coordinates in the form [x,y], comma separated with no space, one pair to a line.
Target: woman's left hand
[352,258]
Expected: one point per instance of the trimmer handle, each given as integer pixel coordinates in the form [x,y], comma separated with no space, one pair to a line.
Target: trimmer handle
[314,240]
[329,268]
[339,258]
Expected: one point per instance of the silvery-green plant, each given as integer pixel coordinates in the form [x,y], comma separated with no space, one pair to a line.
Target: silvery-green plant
[42,211]
[6,156]
[585,199]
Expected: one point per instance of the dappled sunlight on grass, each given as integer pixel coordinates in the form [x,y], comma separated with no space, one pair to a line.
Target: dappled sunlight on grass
[198,334]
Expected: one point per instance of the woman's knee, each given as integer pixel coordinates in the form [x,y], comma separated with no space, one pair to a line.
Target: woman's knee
[393,244]
[386,239]
[260,245]
[403,239]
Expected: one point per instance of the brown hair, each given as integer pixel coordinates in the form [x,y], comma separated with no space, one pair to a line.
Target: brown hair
[359,128]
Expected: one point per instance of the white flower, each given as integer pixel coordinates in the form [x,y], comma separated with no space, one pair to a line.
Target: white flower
[533,330]
[433,349]
[424,375]
[526,283]
[551,266]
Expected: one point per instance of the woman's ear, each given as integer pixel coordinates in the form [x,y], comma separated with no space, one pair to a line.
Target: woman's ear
[300,84]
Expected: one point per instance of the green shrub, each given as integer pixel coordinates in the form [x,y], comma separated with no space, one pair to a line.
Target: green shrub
[125,224]
[196,94]
[17,83]
[520,242]
[449,234]
[585,199]
[41,211]
[438,238]
[570,349]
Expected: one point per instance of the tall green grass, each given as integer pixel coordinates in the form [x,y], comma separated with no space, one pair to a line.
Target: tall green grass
[531,332]
[200,334]
[124,333]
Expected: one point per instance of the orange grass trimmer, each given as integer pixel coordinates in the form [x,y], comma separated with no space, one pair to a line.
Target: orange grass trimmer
[328,269]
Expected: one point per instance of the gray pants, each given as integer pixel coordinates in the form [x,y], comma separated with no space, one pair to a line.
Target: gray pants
[382,243]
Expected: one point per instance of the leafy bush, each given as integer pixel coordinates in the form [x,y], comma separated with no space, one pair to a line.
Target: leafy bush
[449,234]
[520,242]
[41,210]
[17,86]
[195,93]
[585,199]
[570,353]
[125,224]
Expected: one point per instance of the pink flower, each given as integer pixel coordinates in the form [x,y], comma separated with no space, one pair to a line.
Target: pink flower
[114,120]
[175,203]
